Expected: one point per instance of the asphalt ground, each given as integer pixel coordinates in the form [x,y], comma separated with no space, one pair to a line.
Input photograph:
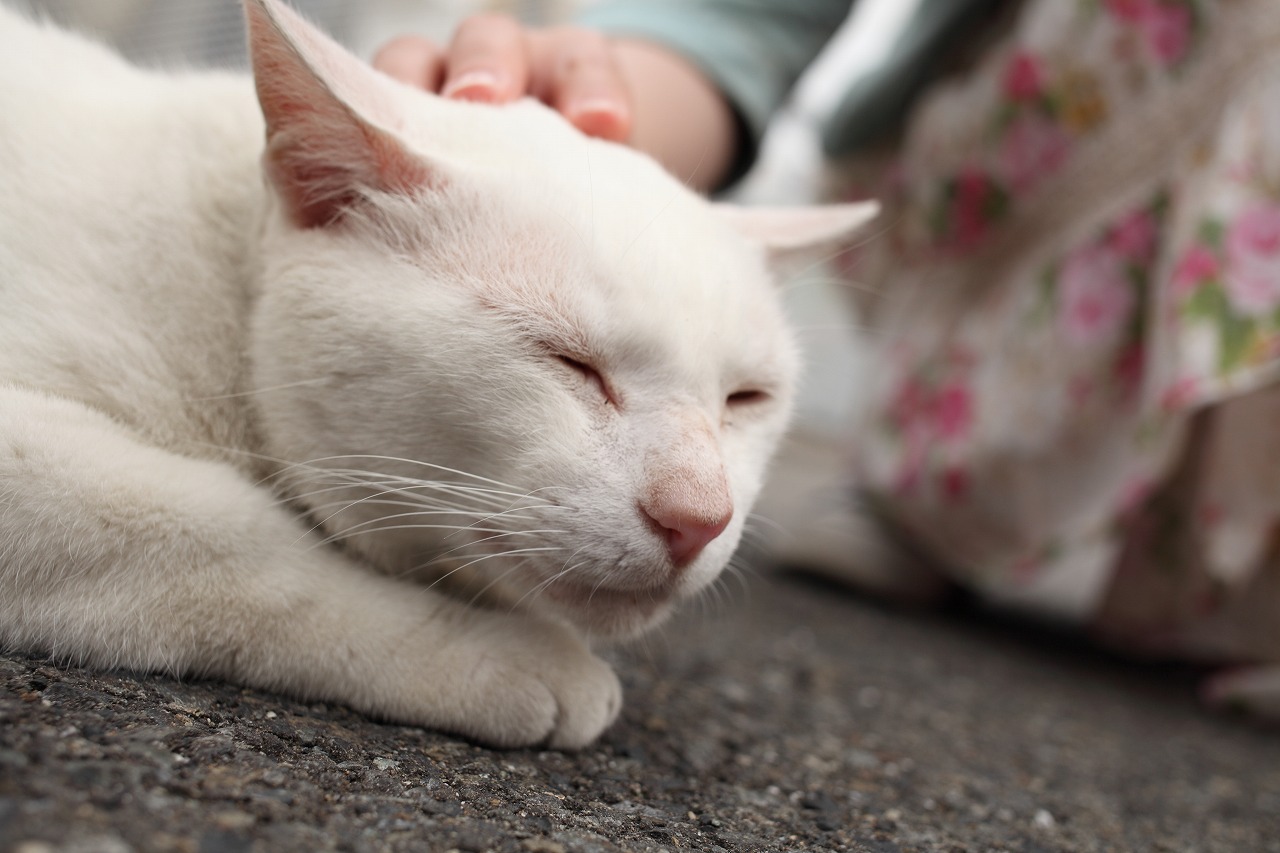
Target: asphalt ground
[787,716]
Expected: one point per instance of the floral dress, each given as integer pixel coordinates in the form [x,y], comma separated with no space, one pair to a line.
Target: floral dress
[1076,311]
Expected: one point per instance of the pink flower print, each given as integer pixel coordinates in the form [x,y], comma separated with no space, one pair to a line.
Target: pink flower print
[1095,297]
[1253,260]
[1033,147]
[970,208]
[1180,395]
[1134,238]
[1167,31]
[1134,494]
[1130,368]
[1129,11]
[1023,77]
[910,470]
[1165,27]
[909,404]
[1252,296]
[1256,233]
[955,484]
[1197,265]
[952,412]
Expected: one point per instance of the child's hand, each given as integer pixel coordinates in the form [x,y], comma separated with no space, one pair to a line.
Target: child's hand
[493,58]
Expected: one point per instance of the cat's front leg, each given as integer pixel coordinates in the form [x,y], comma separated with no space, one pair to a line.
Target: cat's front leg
[117,553]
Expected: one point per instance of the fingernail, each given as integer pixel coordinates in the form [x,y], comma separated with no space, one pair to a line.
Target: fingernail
[595,106]
[478,85]
[597,116]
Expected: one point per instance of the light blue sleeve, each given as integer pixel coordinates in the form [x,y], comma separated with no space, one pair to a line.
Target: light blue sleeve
[753,50]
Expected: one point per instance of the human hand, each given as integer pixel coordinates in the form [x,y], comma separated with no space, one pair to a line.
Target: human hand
[623,90]
[493,59]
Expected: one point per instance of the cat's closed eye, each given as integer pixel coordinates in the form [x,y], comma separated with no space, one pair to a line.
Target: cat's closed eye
[746,405]
[747,397]
[588,375]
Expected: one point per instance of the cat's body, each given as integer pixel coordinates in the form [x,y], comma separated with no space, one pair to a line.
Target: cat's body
[436,337]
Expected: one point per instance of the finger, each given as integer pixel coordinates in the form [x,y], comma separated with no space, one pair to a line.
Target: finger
[487,61]
[413,60]
[585,83]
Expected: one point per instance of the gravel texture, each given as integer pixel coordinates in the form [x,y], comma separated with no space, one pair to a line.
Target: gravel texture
[789,716]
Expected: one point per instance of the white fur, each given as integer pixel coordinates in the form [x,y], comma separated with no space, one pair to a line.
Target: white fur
[220,425]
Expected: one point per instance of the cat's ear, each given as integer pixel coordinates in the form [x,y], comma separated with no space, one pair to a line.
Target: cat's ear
[787,230]
[326,114]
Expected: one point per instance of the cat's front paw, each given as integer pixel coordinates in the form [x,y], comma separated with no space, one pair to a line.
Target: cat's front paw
[539,684]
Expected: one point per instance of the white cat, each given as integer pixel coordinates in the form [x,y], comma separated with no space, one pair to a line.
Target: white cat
[247,423]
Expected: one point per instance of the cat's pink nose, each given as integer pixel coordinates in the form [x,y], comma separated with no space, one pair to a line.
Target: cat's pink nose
[688,530]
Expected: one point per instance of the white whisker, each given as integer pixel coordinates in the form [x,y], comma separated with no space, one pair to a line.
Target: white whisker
[513,553]
[353,531]
[300,383]
[481,541]
[538,588]
[499,579]
[430,465]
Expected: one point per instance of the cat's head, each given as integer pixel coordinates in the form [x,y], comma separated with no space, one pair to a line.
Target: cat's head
[504,348]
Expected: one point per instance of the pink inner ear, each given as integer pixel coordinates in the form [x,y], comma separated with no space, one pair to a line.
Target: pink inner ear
[323,155]
[319,180]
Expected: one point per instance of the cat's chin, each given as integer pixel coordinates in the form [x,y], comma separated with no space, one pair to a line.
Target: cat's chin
[614,614]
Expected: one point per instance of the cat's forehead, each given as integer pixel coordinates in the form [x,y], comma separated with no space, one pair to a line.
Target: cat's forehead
[533,151]
[590,239]
[630,245]
[676,294]
[519,134]
[630,271]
